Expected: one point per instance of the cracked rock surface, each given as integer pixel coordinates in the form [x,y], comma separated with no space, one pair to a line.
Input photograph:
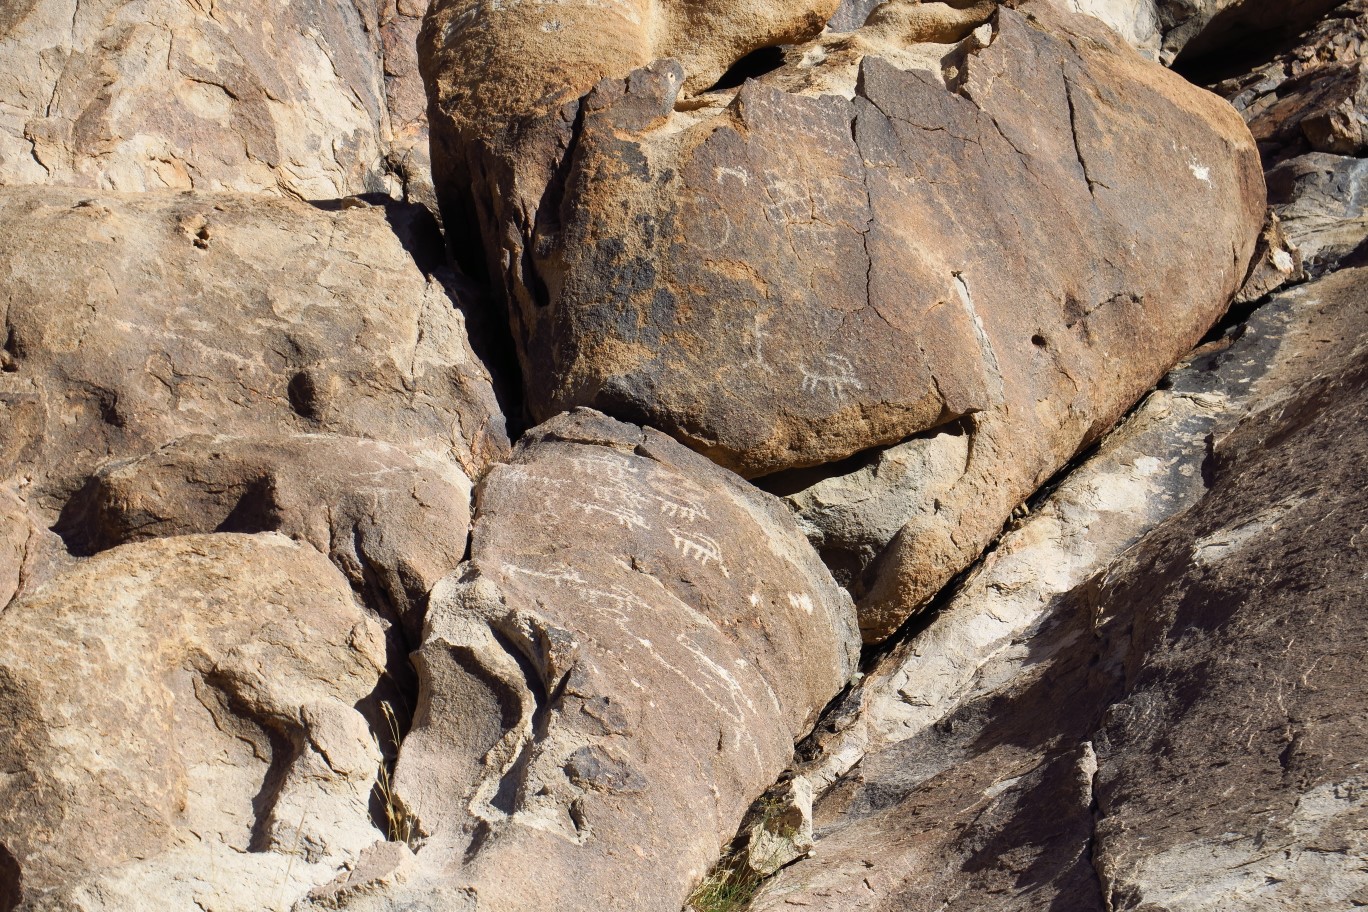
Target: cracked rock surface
[221,95]
[877,290]
[782,456]
[637,641]
[134,320]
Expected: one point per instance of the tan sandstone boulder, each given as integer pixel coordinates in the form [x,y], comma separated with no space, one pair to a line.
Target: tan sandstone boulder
[624,664]
[393,522]
[188,719]
[131,321]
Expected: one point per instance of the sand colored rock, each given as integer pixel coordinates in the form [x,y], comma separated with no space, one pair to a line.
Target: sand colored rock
[209,701]
[131,321]
[284,98]
[392,522]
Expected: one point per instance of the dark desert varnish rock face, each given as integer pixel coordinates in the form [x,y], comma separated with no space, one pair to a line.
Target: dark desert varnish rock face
[1180,728]
[637,641]
[792,277]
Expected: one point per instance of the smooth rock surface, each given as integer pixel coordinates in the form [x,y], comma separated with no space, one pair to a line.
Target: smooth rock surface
[1323,203]
[624,664]
[287,97]
[131,321]
[1162,686]
[175,727]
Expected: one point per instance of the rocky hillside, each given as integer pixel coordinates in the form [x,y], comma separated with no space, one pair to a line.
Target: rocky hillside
[659,455]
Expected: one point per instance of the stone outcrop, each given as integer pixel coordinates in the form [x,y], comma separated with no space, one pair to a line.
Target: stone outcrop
[854,326]
[1080,676]
[867,551]
[1196,28]
[625,662]
[190,722]
[1323,203]
[132,321]
[1240,661]
[1308,109]
[878,292]
[1314,97]
[406,99]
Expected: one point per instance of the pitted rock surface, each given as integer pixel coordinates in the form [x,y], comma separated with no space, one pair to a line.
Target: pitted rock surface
[626,661]
[783,280]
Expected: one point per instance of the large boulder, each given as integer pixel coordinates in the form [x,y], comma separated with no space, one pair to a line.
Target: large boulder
[625,662]
[131,321]
[194,720]
[286,97]
[1095,722]
[781,277]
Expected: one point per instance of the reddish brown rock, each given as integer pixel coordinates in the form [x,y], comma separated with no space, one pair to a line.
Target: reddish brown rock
[1314,97]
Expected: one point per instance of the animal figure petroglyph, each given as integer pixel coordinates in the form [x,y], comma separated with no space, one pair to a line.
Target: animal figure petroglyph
[622,516]
[700,547]
[836,378]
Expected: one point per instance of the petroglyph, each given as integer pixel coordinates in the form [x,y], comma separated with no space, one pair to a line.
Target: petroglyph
[606,465]
[837,378]
[801,600]
[621,515]
[678,509]
[738,173]
[758,337]
[700,547]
